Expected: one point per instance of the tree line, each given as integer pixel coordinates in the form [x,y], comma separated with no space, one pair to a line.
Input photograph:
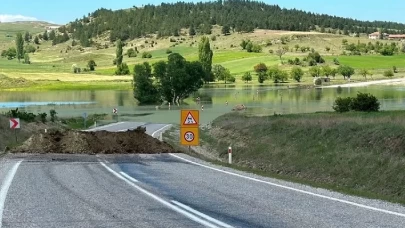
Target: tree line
[234,15]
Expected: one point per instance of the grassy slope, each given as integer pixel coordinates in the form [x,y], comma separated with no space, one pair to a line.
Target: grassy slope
[51,61]
[360,153]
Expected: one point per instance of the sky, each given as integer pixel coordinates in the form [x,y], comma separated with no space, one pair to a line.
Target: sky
[62,12]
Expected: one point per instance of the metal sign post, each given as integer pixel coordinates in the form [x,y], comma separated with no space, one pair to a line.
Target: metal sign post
[15,124]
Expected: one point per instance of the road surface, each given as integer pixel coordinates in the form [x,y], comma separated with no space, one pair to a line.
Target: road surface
[168,190]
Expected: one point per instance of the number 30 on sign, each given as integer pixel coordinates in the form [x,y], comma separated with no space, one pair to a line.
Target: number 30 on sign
[189,136]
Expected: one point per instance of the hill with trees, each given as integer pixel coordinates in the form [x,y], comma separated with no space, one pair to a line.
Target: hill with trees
[235,15]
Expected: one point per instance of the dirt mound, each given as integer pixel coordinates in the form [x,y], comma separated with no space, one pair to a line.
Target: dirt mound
[239,107]
[100,142]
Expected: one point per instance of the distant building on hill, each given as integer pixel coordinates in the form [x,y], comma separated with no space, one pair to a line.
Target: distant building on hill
[396,37]
[374,36]
[50,28]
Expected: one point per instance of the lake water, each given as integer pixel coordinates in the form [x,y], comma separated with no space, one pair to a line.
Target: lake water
[260,100]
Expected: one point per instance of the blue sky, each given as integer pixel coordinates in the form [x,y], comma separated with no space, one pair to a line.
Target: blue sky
[62,12]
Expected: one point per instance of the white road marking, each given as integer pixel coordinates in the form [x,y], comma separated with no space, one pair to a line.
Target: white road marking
[295,189]
[202,215]
[160,200]
[4,188]
[161,129]
[129,177]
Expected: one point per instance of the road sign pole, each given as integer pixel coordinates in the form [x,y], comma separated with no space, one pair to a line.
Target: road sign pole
[15,133]
[230,155]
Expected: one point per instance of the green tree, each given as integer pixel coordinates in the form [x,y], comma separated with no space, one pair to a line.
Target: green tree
[27,59]
[36,40]
[27,37]
[11,53]
[118,54]
[226,30]
[221,73]
[315,71]
[19,46]
[122,69]
[280,52]
[364,72]
[327,71]
[346,71]
[205,55]
[191,31]
[249,46]
[244,43]
[91,65]
[52,35]
[247,77]
[45,36]
[179,79]
[144,89]
[277,75]
[131,53]
[333,72]
[297,73]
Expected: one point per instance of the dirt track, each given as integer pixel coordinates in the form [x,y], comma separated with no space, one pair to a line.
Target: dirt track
[100,142]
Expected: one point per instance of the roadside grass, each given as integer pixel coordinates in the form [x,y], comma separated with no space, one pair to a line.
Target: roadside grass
[354,153]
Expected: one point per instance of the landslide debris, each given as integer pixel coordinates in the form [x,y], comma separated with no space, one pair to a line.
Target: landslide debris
[99,142]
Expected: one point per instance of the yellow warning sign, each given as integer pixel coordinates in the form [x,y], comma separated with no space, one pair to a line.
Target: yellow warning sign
[189,136]
[190,118]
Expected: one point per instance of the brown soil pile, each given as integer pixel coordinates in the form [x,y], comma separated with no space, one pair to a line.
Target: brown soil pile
[100,142]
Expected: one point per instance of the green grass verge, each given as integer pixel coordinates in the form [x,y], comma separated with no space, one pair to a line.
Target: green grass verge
[354,153]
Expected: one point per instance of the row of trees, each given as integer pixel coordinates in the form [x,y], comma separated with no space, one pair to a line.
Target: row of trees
[379,47]
[19,51]
[234,15]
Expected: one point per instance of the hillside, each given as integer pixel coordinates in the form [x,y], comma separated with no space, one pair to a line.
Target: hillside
[237,15]
[9,29]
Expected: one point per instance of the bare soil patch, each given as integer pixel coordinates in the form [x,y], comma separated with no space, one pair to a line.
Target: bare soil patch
[100,142]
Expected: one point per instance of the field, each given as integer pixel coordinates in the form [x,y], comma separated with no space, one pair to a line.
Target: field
[54,63]
[357,153]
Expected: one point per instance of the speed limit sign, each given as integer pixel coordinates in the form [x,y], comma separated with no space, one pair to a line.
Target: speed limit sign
[189,136]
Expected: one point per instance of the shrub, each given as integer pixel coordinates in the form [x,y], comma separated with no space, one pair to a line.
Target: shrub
[388,73]
[131,53]
[168,51]
[42,117]
[53,113]
[365,102]
[318,81]
[213,38]
[231,79]
[122,69]
[336,61]
[394,68]
[91,65]
[342,104]
[146,55]
[271,51]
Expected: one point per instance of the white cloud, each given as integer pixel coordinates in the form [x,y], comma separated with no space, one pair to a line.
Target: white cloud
[12,18]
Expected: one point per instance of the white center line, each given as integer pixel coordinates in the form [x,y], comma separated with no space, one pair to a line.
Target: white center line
[129,177]
[4,188]
[201,214]
[294,189]
[162,201]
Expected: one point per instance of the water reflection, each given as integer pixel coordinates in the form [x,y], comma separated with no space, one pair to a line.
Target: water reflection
[260,100]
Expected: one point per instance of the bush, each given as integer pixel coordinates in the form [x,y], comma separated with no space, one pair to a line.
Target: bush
[53,113]
[26,116]
[271,51]
[122,69]
[146,55]
[213,38]
[318,81]
[42,117]
[342,104]
[394,68]
[231,79]
[388,73]
[91,65]
[365,102]
[131,53]
[168,51]
[336,61]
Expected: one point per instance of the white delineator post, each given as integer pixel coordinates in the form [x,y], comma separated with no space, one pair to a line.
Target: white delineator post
[230,155]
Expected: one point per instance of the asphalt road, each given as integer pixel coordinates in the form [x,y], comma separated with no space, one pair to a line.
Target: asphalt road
[168,190]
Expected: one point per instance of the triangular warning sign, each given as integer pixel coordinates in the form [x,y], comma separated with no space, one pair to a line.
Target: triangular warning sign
[190,120]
